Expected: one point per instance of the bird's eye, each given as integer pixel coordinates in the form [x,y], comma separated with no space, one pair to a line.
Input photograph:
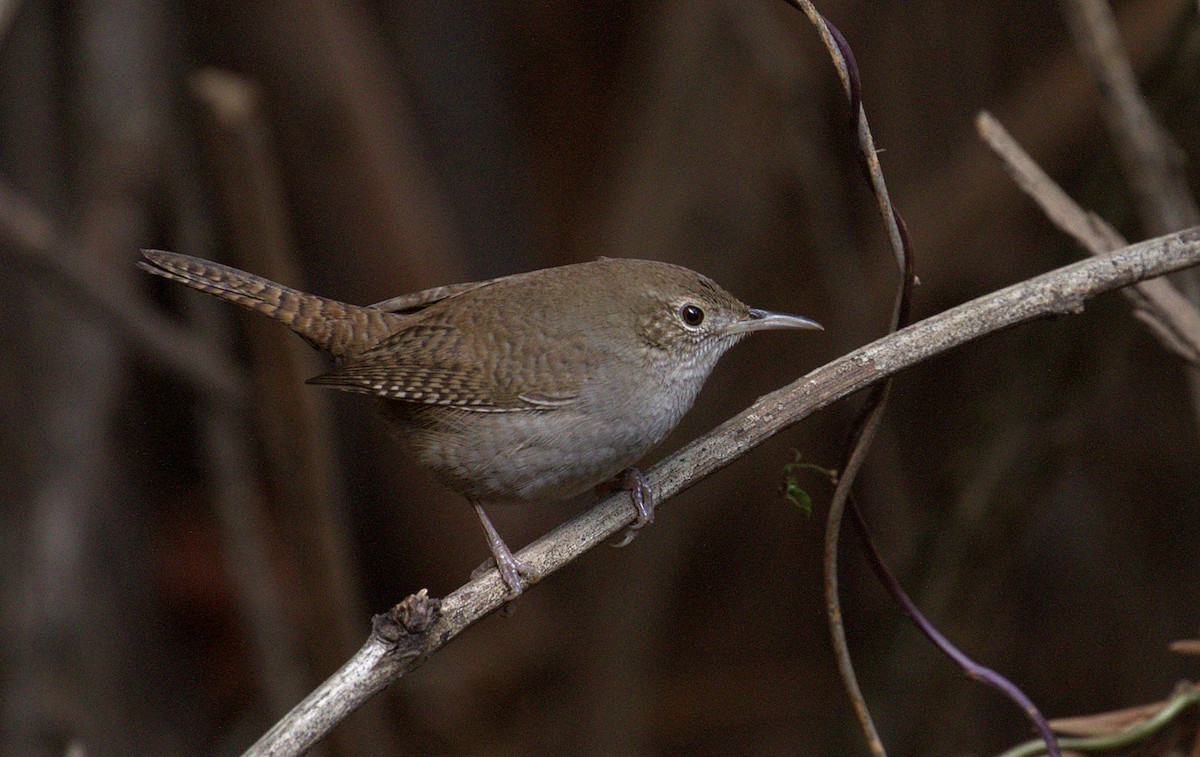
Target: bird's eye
[691,315]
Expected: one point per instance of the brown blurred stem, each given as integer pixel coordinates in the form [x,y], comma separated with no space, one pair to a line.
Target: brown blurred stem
[38,244]
[1152,161]
[395,648]
[292,419]
[246,550]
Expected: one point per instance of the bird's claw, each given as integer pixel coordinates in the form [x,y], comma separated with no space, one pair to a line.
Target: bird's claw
[642,497]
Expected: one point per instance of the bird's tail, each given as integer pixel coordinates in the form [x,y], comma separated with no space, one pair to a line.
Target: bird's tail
[337,327]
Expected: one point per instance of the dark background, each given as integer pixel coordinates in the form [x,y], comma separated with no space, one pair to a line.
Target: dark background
[178,571]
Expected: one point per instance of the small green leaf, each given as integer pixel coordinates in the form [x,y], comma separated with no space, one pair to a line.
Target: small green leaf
[798,497]
[792,491]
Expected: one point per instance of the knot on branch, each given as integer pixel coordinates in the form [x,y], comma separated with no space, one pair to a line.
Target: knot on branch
[412,616]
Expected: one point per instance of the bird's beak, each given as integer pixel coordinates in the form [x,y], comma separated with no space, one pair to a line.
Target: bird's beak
[761,320]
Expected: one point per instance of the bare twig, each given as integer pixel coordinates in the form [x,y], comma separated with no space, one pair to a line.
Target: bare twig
[970,667]
[1157,303]
[766,42]
[394,648]
[867,425]
[1152,160]
[1150,722]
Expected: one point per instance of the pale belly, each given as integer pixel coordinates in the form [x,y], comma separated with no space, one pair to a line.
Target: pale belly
[523,456]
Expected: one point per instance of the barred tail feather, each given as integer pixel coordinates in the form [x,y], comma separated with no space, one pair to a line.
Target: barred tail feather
[342,329]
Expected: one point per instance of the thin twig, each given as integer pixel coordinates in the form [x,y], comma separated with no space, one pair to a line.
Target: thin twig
[970,667]
[391,651]
[1174,320]
[1152,161]
[864,430]
[1185,699]
[867,425]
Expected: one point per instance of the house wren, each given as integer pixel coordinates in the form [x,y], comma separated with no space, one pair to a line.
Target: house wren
[528,388]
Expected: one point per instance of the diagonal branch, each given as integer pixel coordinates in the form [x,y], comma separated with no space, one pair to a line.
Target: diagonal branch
[416,629]
[1172,318]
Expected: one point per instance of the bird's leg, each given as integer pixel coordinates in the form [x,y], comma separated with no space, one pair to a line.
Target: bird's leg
[511,569]
[635,483]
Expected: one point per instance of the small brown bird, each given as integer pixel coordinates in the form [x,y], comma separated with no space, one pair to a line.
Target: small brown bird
[527,388]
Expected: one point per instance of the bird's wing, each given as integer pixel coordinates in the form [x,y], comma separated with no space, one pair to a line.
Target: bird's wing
[434,369]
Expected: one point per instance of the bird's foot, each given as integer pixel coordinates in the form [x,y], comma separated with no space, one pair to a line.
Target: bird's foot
[511,569]
[635,483]
[516,574]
